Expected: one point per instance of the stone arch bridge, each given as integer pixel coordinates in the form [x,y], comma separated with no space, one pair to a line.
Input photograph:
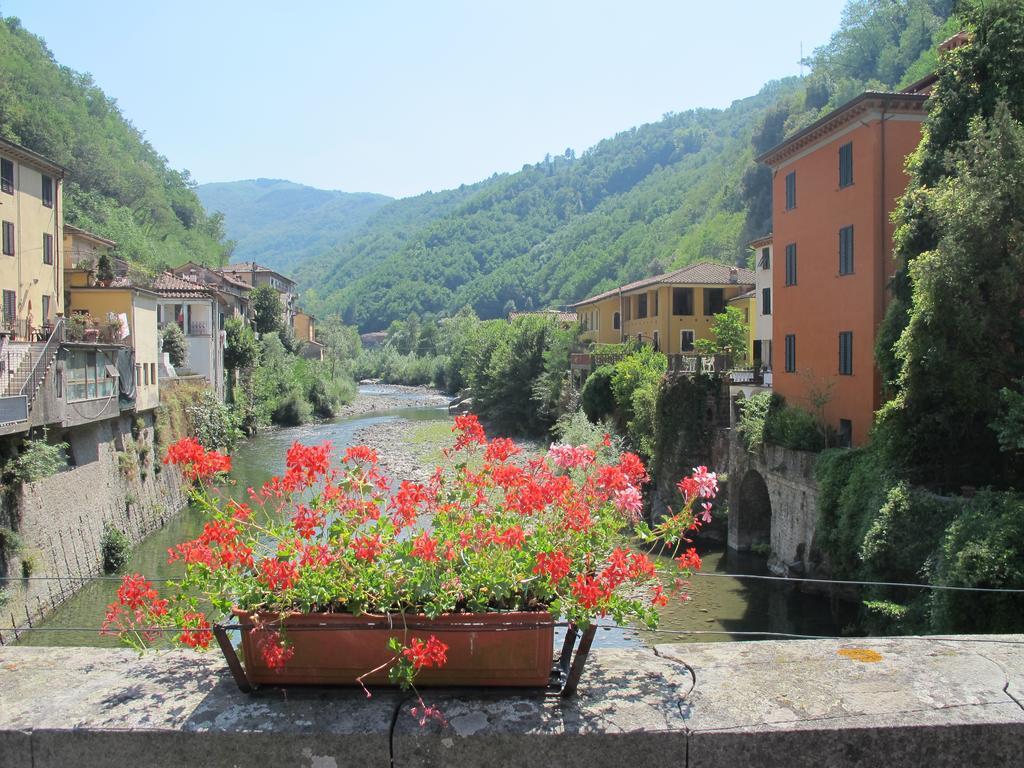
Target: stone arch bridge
[773,502]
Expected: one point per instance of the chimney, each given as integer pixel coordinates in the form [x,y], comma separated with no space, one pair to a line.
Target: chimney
[734,275]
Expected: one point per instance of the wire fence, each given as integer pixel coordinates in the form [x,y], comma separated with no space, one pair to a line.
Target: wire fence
[697,574]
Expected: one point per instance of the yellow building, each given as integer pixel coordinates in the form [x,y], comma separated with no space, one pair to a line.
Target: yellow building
[670,311]
[32,233]
[138,306]
[83,249]
[303,325]
[746,303]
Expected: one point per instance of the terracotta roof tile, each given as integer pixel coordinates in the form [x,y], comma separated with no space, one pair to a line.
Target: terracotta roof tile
[169,284]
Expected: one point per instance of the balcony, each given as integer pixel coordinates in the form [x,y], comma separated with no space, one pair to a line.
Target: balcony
[21,329]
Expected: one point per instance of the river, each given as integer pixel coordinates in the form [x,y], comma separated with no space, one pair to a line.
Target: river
[719,606]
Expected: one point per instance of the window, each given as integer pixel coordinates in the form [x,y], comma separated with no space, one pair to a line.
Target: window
[766,258]
[6,176]
[846,165]
[790,190]
[846,353]
[791,264]
[641,306]
[846,250]
[10,307]
[47,191]
[682,301]
[47,248]
[790,353]
[766,301]
[845,433]
[138,374]
[145,375]
[616,321]
[714,301]
[654,303]
[686,341]
[46,309]
[8,238]
[627,303]
[86,374]
[152,372]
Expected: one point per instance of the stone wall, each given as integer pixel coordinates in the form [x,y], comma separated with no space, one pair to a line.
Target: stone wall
[114,478]
[857,703]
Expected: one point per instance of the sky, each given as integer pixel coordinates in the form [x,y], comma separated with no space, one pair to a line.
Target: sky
[404,97]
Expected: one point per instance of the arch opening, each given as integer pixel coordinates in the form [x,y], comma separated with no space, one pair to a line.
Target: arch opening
[754,513]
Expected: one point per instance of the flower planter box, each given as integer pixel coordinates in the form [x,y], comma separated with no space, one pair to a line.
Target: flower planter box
[484,649]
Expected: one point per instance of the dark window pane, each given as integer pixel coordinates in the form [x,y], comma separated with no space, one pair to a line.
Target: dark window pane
[791,190]
[682,301]
[7,176]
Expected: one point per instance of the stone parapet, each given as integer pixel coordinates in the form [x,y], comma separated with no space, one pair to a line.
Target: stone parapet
[866,702]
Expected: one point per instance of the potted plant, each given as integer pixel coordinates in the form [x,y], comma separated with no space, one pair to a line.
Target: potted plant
[334,577]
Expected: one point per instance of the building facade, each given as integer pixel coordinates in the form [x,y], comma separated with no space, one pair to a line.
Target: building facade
[31,229]
[670,311]
[835,185]
[762,336]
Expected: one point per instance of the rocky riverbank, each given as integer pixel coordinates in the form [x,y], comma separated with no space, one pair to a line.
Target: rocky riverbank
[388,397]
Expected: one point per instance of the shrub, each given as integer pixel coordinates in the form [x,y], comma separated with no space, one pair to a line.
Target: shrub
[577,429]
[292,410]
[29,564]
[115,548]
[597,398]
[796,428]
[174,344]
[212,423]
[754,412]
[11,542]
[39,459]
[982,547]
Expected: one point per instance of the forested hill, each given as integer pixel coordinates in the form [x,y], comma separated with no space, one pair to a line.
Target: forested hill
[654,197]
[118,185]
[281,224]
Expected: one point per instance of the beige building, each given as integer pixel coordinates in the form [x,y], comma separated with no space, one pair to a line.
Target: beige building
[30,261]
[670,311]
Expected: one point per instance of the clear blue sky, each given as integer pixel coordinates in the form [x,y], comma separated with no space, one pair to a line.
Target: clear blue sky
[403,97]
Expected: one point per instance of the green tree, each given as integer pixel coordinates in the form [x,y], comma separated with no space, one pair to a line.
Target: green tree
[964,340]
[175,344]
[729,334]
[241,350]
[341,343]
[266,309]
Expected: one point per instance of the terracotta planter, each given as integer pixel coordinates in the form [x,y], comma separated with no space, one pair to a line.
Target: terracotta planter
[484,649]
[91,334]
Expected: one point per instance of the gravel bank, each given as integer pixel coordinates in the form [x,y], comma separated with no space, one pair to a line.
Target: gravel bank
[387,397]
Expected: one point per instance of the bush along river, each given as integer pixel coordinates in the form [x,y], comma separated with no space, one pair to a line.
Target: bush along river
[408,427]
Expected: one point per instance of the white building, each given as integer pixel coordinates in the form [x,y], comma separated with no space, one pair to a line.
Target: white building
[762,248]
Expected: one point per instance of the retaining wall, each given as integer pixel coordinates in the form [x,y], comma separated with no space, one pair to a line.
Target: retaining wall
[60,519]
[867,702]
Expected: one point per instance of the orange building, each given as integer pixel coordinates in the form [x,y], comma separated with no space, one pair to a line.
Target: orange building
[835,185]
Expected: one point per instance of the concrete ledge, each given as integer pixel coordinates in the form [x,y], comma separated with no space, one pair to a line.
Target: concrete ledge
[935,702]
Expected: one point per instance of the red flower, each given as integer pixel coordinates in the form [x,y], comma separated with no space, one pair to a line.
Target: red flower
[470,431]
[306,521]
[588,591]
[305,463]
[272,648]
[196,462]
[367,547]
[433,653]
[555,565]
[513,537]
[277,574]
[197,632]
[425,548]
[136,592]
[500,449]
[689,560]
[361,453]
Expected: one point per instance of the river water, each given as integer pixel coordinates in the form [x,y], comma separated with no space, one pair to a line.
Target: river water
[719,606]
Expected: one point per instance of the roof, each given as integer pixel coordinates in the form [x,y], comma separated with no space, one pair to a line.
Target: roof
[189,266]
[748,295]
[760,241]
[839,117]
[86,235]
[26,155]
[701,273]
[169,284]
[252,266]
[555,314]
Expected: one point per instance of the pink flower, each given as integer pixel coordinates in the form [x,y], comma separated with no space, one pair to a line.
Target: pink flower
[571,456]
[705,515]
[629,501]
[707,482]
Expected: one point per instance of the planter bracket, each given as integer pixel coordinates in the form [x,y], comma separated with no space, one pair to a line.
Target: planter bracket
[569,667]
[237,670]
